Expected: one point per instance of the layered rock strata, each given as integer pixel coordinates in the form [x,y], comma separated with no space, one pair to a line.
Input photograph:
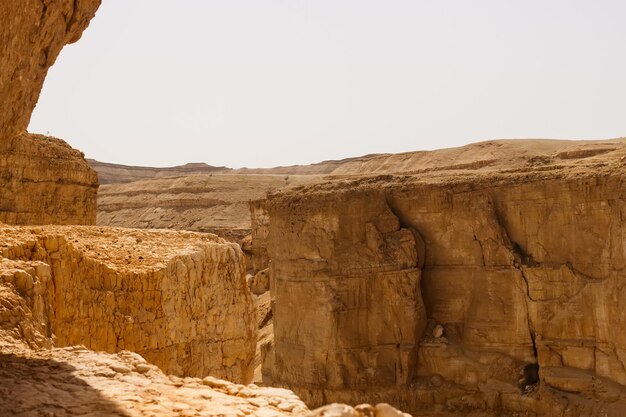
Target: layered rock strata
[521,278]
[355,273]
[45,181]
[204,203]
[179,299]
[115,174]
[55,292]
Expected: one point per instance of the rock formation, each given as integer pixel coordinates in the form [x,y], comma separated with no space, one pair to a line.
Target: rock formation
[179,299]
[42,180]
[204,203]
[521,278]
[75,381]
[355,273]
[32,33]
[45,181]
[177,198]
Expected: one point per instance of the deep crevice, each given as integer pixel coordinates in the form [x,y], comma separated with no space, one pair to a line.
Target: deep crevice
[420,244]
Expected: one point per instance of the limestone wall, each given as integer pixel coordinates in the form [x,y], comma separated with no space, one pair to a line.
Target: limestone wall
[521,277]
[347,305]
[42,180]
[178,299]
[32,33]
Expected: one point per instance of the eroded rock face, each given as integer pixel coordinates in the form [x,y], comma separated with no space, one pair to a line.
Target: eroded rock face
[179,299]
[32,33]
[255,247]
[42,180]
[348,310]
[178,281]
[521,280]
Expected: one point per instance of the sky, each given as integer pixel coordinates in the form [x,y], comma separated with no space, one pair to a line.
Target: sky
[261,83]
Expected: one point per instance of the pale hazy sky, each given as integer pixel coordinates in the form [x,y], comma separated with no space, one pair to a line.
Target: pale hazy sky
[275,82]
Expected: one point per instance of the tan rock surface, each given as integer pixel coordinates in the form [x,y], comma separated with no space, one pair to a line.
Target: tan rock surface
[217,203]
[76,381]
[180,299]
[265,339]
[486,156]
[347,304]
[38,380]
[32,33]
[42,180]
[205,203]
[521,269]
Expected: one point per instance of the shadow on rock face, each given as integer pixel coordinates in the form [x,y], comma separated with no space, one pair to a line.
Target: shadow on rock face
[530,378]
[43,387]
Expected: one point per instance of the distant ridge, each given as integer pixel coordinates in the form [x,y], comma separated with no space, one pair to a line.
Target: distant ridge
[109,173]
[486,155]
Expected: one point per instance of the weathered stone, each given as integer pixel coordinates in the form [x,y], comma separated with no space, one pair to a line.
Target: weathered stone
[260,283]
[32,33]
[178,298]
[346,275]
[519,269]
[45,181]
[385,410]
[42,180]
[69,382]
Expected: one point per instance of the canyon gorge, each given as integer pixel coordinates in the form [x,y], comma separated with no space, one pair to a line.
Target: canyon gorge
[484,280]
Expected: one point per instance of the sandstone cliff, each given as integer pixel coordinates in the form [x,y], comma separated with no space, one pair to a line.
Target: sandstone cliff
[42,180]
[32,33]
[45,181]
[519,270]
[179,299]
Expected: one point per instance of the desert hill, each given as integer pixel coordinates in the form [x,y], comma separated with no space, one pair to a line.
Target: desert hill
[494,154]
[115,173]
